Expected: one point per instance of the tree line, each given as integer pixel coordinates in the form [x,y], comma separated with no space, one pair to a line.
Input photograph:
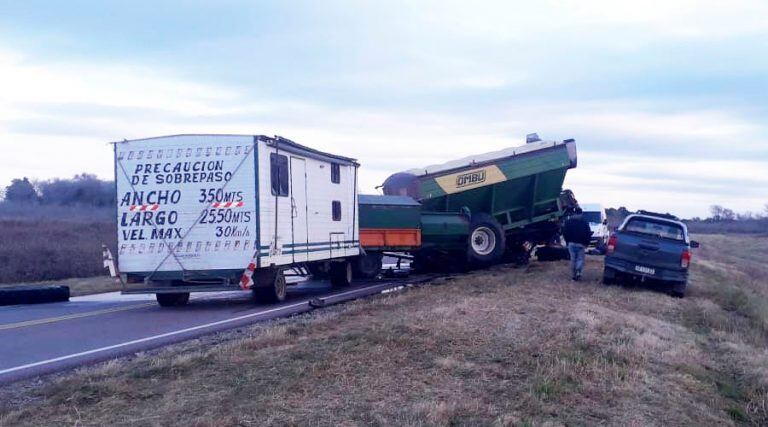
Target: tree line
[720,220]
[83,189]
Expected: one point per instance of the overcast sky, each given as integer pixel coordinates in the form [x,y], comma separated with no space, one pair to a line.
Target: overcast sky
[666,99]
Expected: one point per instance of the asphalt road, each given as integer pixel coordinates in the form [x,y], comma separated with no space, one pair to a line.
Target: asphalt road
[45,338]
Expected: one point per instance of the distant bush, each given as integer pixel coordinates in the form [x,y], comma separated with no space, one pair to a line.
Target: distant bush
[83,189]
[84,198]
[44,249]
[616,216]
[21,191]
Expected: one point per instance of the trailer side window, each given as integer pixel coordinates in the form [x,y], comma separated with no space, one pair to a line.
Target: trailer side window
[336,210]
[278,168]
[335,173]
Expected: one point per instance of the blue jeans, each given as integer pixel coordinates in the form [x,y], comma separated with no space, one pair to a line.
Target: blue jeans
[577,258]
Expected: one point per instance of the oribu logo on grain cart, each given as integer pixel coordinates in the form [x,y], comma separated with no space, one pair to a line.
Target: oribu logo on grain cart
[471,178]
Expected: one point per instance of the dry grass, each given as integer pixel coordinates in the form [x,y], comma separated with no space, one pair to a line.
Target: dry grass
[45,249]
[500,347]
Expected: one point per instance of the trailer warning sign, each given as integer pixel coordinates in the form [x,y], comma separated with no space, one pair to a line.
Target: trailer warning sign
[185,203]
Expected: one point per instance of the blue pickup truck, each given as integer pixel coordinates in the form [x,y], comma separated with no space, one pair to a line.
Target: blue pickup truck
[650,247]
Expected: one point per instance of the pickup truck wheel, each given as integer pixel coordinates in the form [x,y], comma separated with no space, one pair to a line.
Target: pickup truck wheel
[678,289]
[486,239]
[341,274]
[276,288]
[609,276]
[176,299]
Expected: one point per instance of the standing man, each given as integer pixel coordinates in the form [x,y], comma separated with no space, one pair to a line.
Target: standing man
[577,234]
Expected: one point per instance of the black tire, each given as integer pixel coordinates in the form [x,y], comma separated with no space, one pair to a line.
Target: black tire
[176,299]
[487,242]
[678,289]
[271,286]
[518,254]
[609,276]
[422,263]
[341,274]
[33,294]
[552,253]
[368,266]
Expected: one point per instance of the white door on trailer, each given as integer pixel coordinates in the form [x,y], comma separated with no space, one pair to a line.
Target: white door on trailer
[299,220]
[337,245]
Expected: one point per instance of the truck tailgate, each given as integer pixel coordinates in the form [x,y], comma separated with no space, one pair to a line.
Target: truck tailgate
[649,252]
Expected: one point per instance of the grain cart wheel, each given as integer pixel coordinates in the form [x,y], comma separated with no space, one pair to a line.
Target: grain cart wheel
[175,299]
[341,274]
[368,266]
[486,239]
[271,286]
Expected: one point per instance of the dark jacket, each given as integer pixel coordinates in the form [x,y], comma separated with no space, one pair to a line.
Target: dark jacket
[576,230]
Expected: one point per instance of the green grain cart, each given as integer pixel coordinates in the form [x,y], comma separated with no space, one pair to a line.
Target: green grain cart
[508,201]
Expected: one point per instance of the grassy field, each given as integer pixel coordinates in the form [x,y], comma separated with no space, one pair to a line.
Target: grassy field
[501,347]
[37,249]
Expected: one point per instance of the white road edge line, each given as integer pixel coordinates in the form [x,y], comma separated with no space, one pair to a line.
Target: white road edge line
[168,334]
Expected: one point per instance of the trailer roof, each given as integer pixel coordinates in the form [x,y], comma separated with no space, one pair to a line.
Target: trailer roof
[490,157]
[271,140]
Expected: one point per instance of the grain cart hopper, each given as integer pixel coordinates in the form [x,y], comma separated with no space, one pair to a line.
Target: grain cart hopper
[511,200]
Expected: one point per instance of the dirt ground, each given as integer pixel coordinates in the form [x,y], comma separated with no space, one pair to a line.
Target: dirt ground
[503,346]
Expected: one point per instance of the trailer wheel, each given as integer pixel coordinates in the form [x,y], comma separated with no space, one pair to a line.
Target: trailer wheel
[368,266]
[341,274]
[271,286]
[486,239]
[176,299]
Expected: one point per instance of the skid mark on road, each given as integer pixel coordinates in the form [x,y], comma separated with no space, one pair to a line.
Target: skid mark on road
[36,322]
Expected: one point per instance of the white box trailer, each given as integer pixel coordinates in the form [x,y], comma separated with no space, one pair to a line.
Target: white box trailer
[223,212]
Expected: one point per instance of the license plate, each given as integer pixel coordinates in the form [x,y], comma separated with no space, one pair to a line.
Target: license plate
[645,270]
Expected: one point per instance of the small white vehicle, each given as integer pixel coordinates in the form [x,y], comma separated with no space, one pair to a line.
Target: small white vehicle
[224,212]
[595,215]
